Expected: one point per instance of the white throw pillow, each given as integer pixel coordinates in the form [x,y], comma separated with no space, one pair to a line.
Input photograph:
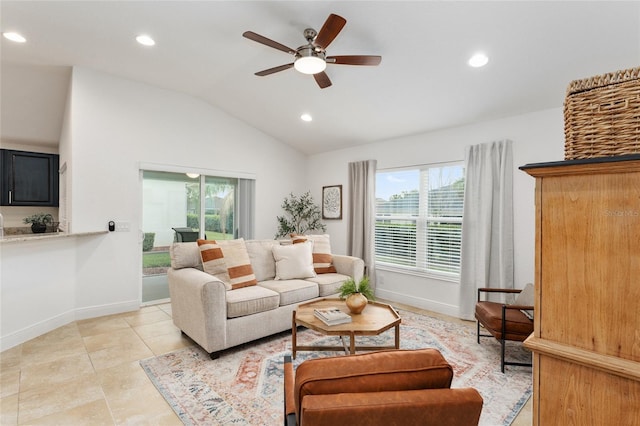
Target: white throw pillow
[294,261]
[526,298]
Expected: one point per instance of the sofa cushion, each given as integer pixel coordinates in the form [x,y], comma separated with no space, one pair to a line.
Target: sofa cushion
[239,272]
[262,261]
[292,291]
[294,261]
[185,255]
[322,258]
[328,284]
[251,300]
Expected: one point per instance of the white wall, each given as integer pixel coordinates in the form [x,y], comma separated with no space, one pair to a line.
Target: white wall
[537,137]
[116,125]
[38,288]
[111,125]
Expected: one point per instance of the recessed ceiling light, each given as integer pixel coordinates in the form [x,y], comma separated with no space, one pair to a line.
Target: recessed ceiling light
[145,40]
[14,37]
[478,60]
[306,117]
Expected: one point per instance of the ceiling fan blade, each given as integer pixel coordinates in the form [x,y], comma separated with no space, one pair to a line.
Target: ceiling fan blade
[274,70]
[322,79]
[354,60]
[268,42]
[331,28]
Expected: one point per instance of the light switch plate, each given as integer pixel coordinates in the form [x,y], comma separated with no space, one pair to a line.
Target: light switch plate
[123,227]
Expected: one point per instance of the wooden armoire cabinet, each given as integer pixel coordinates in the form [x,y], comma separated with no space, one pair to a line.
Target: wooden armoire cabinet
[586,340]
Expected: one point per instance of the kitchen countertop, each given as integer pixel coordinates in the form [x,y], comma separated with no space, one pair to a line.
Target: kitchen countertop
[46,236]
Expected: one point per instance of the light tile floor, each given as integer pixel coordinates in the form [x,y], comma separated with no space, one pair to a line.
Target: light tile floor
[87,373]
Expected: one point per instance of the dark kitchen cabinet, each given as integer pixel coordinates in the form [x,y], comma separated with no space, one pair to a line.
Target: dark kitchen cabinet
[29,178]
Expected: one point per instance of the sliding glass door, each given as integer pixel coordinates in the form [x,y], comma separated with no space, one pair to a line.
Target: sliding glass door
[183,207]
[169,200]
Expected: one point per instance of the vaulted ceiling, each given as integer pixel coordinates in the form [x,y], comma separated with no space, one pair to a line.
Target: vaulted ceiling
[423,83]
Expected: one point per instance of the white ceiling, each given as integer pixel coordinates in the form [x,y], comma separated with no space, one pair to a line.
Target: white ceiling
[422,84]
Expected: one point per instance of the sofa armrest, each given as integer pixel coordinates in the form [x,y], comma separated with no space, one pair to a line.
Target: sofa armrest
[423,407]
[199,306]
[349,265]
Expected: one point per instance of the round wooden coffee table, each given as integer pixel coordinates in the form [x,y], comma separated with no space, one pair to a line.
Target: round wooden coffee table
[375,319]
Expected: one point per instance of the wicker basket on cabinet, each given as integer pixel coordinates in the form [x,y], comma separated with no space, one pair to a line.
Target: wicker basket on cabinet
[602,115]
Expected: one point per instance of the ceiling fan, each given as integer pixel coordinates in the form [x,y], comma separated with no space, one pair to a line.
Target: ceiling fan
[311,58]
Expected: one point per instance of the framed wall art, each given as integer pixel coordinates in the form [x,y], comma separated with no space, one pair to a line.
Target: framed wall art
[332,202]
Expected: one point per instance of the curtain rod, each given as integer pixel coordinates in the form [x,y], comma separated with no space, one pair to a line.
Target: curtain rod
[421,165]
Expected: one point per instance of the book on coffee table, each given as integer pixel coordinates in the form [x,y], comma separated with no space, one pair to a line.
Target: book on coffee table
[331,316]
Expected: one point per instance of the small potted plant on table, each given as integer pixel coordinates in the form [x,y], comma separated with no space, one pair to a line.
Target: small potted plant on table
[39,222]
[357,295]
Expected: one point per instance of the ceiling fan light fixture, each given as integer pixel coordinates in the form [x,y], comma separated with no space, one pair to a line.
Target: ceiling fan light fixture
[309,61]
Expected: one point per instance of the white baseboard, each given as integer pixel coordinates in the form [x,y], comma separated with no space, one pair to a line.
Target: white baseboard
[110,309]
[34,330]
[430,305]
[156,302]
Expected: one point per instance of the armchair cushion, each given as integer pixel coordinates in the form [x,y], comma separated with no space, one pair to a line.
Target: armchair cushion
[518,325]
[424,407]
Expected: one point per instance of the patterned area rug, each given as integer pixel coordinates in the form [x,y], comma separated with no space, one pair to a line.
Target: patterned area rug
[244,386]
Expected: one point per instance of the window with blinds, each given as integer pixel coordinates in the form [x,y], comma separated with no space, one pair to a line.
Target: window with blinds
[419,218]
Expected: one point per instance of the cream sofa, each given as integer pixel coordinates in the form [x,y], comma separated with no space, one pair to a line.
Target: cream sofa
[217,318]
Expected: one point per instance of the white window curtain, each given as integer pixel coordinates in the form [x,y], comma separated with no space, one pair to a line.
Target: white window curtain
[487,222]
[362,214]
[246,210]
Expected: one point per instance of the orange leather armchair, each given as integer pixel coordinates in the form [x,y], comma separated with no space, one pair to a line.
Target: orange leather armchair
[397,387]
[503,321]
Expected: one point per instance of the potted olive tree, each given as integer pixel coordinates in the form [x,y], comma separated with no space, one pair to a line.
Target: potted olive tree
[39,222]
[301,215]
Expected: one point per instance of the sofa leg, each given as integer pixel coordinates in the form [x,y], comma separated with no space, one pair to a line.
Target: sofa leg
[214,355]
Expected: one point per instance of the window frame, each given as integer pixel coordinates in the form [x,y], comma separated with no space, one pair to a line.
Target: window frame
[421,221]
